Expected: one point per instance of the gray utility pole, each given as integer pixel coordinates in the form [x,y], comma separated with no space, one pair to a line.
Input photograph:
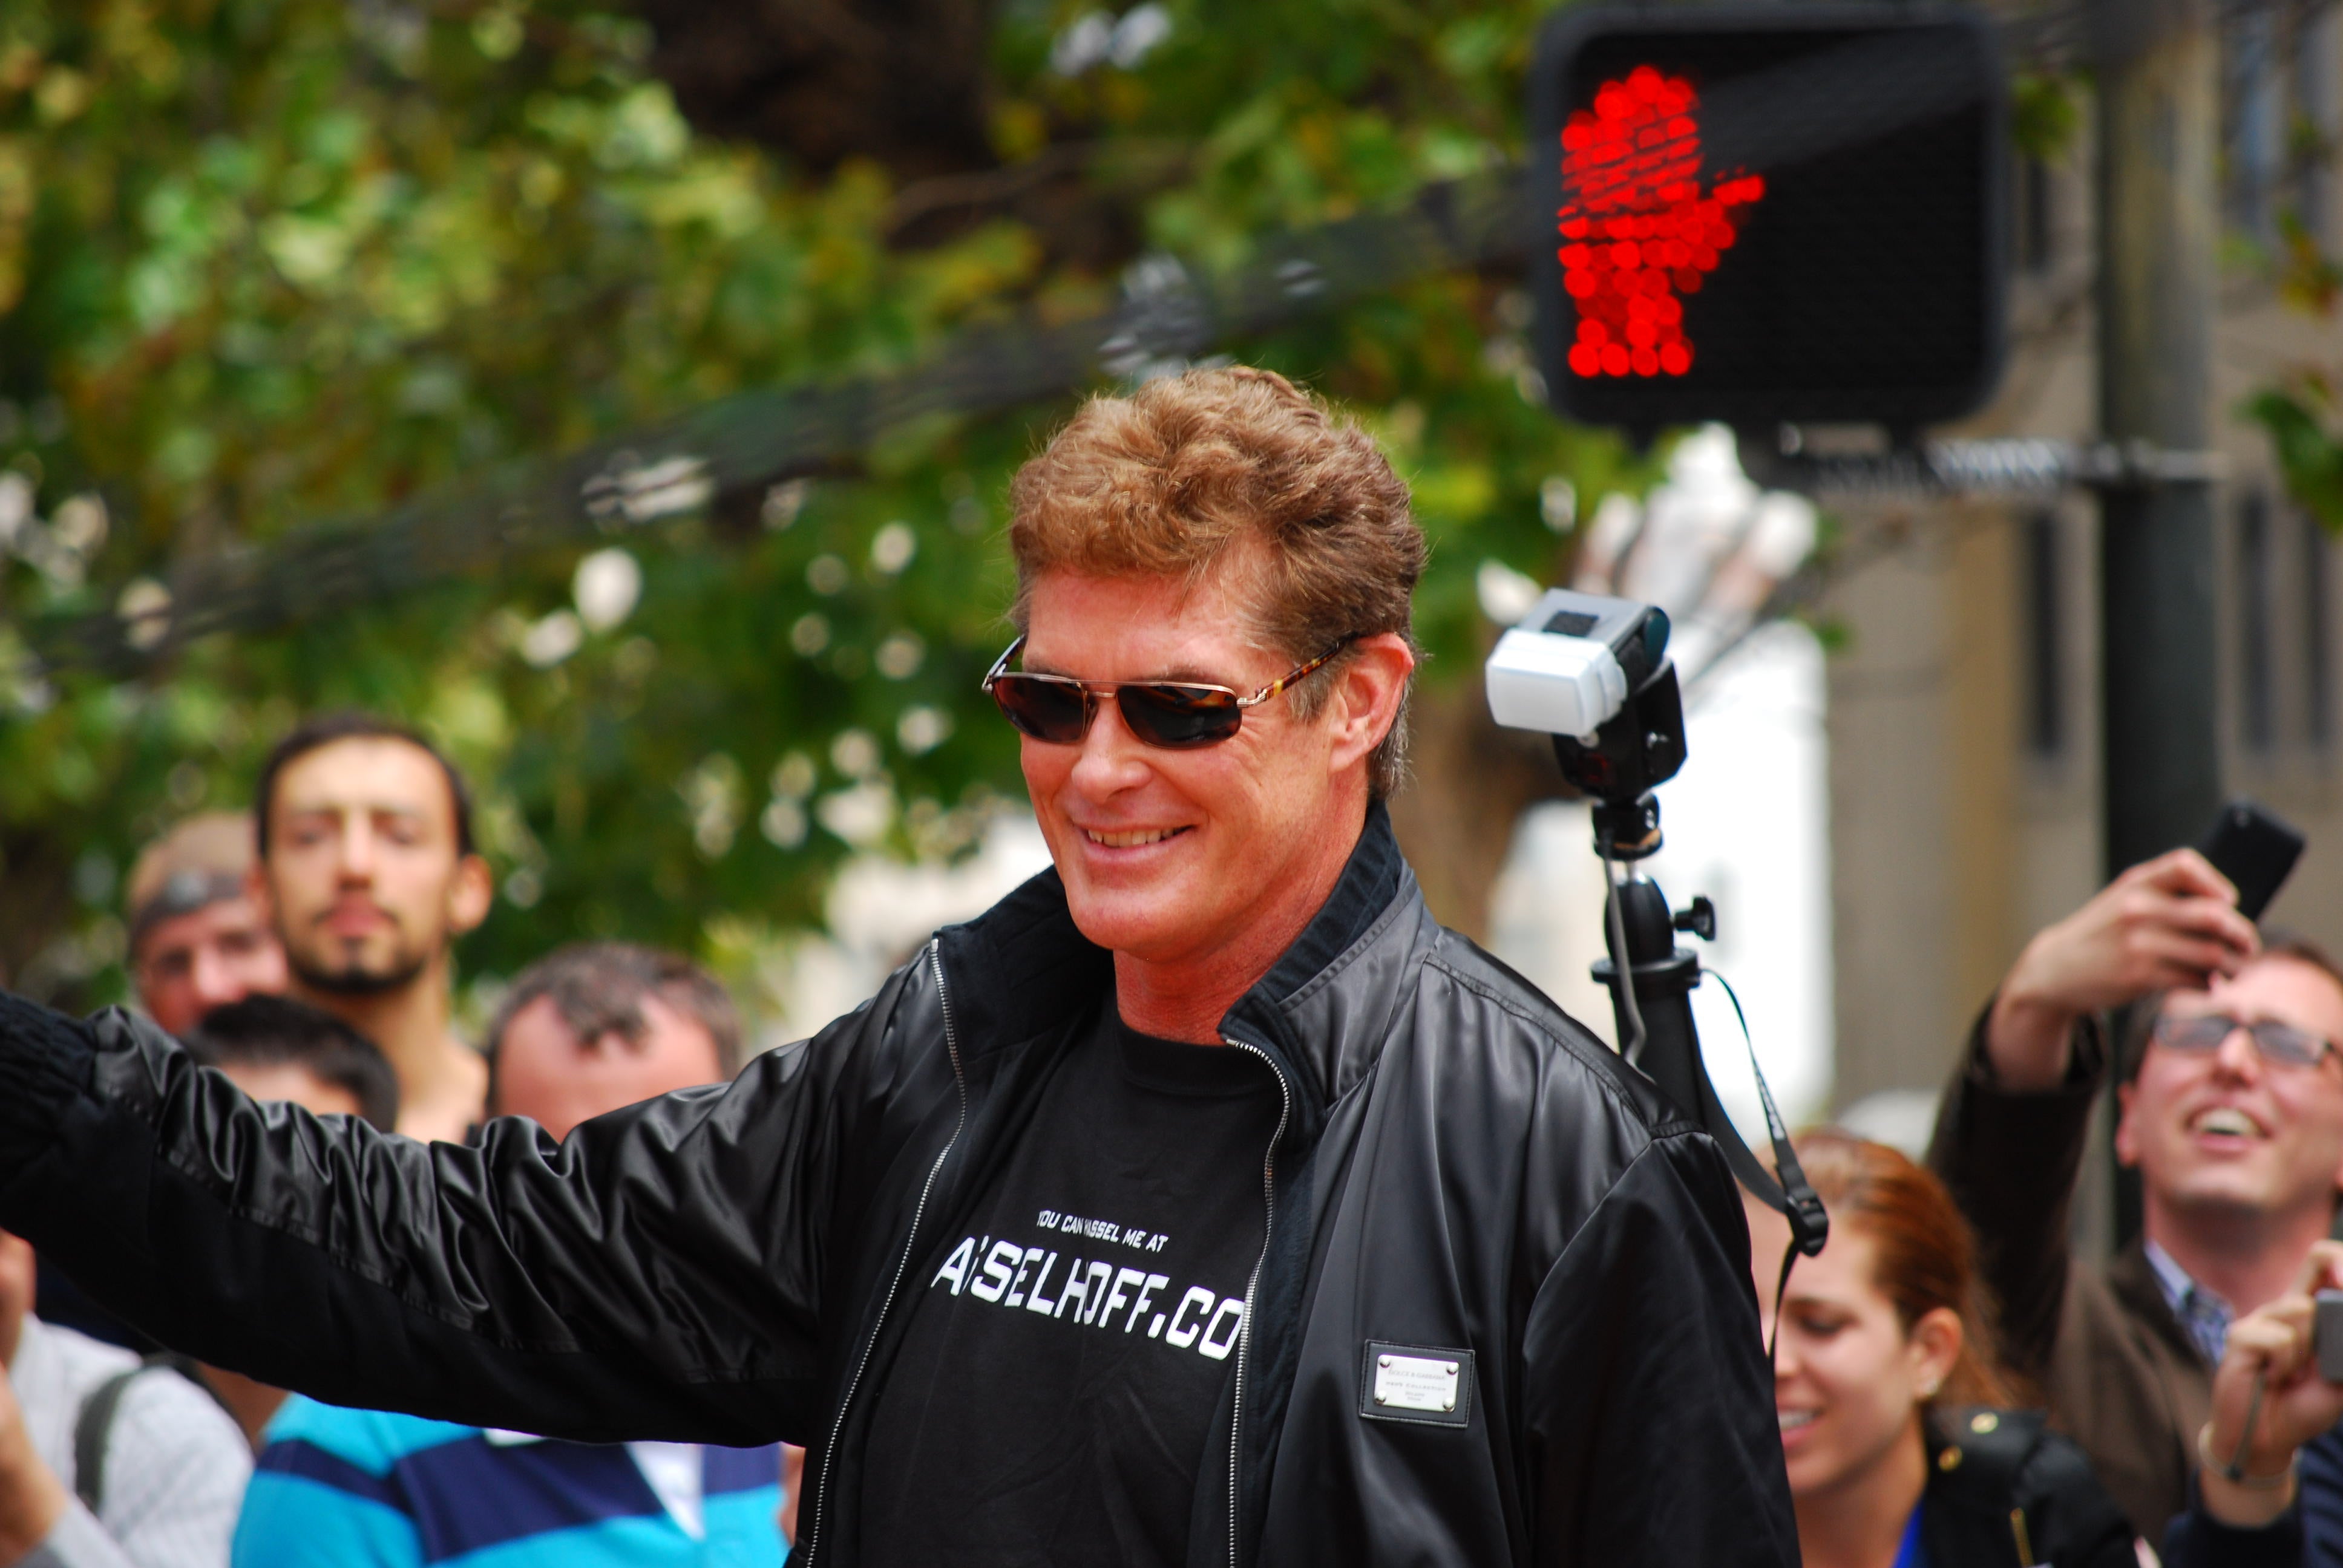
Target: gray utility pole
[2158,83]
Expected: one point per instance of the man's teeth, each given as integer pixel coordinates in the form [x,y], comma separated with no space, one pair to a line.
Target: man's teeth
[1793,1419]
[2232,1123]
[1132,841]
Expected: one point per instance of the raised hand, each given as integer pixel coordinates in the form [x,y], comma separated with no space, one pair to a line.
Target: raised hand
[2166,923]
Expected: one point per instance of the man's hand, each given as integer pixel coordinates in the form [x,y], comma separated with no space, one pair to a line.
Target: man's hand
[2168,922]
[2275,1344]
[32,1499]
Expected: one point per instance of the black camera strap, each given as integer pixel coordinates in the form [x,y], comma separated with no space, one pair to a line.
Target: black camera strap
[1792,1196]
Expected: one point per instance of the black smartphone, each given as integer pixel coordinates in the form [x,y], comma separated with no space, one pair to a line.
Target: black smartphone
[2254,849]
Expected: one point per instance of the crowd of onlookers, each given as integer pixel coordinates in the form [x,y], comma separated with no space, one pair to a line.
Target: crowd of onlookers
[304,951]
[2165,1404]
[1948,1341]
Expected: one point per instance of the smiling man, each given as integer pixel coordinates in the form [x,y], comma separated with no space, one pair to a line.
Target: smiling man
[1203,1202]
[367,874]
[2232,1112]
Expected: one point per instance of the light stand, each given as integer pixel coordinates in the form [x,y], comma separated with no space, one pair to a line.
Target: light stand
[1640,748]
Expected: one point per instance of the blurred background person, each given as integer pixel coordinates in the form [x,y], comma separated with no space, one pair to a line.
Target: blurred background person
[367,874]
[275,1047]
[586,1029]
[105,1462]
[597,1025]
[2232,1113]
[1888,1397]
[2288,1478]
[197,939]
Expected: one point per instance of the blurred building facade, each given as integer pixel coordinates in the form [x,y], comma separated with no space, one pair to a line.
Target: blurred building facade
[1963,685]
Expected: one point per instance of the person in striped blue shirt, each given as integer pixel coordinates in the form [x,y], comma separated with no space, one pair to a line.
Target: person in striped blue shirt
[351,1488]
[588,1030]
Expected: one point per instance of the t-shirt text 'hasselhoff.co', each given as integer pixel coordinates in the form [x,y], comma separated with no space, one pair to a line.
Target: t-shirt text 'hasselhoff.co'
[1096,1290]
[1063,1361]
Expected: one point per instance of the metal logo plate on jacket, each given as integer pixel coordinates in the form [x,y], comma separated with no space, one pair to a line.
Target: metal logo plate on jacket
[1416,1382]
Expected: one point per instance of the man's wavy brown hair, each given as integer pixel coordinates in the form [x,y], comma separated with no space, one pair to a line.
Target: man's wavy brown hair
[1204,468]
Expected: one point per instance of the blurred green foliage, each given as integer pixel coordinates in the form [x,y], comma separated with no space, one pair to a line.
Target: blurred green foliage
[269,261]
[2296,415]
[2044,113]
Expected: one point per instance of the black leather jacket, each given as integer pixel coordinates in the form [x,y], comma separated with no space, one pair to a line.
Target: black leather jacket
[1461,1173]
[1992,1473]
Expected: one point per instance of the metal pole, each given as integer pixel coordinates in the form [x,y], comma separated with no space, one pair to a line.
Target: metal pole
[2158,81]
[2158,220]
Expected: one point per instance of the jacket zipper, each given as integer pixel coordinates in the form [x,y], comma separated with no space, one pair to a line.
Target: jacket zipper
[1244,1332]
[871,1341]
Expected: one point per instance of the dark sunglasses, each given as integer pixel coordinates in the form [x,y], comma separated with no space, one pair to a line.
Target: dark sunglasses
[1174,714]
[2280,1043]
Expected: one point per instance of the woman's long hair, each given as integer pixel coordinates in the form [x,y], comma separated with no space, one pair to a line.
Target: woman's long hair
[1925,1255]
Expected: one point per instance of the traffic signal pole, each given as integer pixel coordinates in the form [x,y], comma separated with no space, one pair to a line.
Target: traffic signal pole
[2158,224]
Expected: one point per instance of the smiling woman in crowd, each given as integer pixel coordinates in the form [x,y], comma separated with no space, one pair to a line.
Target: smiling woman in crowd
[1899,1451]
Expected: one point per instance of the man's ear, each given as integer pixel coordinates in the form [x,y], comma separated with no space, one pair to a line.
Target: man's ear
[1368,687]
[474,892]
[2127,1137]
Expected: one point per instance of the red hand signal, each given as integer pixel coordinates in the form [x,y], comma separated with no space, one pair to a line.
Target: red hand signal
[1638,232]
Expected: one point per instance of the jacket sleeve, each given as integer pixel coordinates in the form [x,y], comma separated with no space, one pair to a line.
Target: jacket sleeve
[657,1275]
[2010,1161]
[2310,1530]
[1648,1402]
[2197,1540]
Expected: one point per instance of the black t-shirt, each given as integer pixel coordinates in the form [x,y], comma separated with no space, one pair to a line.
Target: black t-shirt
[1051,1396]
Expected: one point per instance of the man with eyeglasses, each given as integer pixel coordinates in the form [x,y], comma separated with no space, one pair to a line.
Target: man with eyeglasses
[1203,1202]
[2231,1110]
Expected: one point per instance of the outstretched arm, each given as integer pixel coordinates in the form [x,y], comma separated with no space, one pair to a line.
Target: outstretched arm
[657,1275]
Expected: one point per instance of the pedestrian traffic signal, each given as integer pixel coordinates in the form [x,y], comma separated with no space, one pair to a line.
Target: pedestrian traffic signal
[1762,214]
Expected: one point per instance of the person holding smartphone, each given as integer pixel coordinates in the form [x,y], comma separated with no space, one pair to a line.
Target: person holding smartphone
[2232,1101]
[2269,1481]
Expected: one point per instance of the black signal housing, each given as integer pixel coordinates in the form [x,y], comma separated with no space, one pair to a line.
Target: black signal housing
[1809,202]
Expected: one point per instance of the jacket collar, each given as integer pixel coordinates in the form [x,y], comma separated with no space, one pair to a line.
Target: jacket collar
[1022,968]
[1974,1461]
[1326,1034]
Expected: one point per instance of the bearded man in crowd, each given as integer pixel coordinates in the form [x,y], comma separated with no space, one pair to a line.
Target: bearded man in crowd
[367,873]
